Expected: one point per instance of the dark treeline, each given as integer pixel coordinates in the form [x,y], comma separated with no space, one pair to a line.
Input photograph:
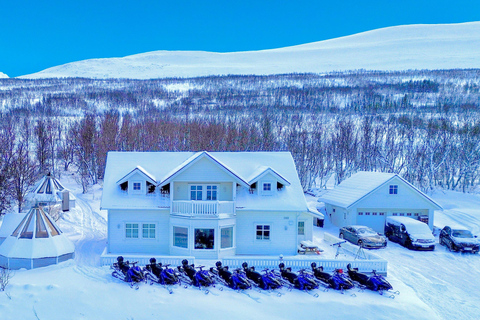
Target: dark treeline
[423,125]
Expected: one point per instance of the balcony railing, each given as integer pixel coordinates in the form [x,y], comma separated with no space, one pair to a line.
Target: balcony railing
[203,208]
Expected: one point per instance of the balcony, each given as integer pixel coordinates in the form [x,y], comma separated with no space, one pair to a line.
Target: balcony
[203,208]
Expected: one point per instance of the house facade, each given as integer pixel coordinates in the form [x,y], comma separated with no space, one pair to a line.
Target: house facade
[205,205]
[367,198]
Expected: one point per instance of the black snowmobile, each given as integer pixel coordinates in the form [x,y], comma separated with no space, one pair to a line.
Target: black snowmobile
[337,280]
[374,282]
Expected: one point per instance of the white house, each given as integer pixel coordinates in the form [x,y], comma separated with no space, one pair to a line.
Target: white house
[204,204]
[367,198]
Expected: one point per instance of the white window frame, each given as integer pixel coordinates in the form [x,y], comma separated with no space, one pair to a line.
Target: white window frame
[267,192]
[303,228]
[263,225]
[393,189]
[233,237]
[173,234]
[196,191]
[140,183]
[214,188]
[149,228]
[140,230]
[132,228]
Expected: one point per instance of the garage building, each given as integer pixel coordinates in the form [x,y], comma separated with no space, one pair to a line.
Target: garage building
[367,198]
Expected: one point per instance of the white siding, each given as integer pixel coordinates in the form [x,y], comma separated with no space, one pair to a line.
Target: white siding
[204,170]
[224,191]
[267,178]
[118,243]
[407,200]
[283,233]
[136,177]
[406,197]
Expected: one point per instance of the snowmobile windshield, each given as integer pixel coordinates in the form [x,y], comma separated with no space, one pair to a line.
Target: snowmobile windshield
[366,232]
[462,234]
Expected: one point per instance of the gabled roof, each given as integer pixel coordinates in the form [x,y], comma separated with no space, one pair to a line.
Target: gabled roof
[193,159]
[360,185]
[150,178]
[240,166]
[262,171]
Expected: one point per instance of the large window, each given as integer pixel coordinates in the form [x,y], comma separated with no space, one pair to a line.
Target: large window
[131,230]
[180,237]
[204,238]
[148,230]
[263,231]
[196,192]
[226,237]
[393,189]
[211,192]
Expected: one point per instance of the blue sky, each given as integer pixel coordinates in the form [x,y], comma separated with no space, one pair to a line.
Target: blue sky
[35,35]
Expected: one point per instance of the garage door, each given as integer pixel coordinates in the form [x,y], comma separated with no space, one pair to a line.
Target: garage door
[374,220]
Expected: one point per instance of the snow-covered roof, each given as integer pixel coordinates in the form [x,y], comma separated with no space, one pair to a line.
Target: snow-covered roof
[36,236]
[239,165]
[262,171]
[48,189]
[149,177]
[360,185]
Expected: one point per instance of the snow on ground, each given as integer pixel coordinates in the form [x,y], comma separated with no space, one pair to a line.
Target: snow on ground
[433,285]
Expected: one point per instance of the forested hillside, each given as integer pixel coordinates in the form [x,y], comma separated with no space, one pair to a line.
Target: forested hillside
[424,125]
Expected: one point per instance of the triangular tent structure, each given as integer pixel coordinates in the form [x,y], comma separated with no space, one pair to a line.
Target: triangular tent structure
[35,242]
[49,192]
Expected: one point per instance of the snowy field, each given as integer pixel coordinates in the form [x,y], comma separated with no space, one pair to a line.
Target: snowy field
[432,285]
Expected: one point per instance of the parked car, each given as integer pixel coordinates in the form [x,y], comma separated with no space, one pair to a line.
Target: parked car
[363,236]
[410,233]
[459,239]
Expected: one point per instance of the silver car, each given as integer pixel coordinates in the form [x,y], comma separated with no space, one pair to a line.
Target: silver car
[363,236]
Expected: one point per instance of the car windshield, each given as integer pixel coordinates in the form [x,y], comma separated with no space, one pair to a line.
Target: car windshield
[365,231]
[462,234]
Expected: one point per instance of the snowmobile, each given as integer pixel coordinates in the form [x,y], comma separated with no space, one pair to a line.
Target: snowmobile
[200,278]
[301,281]
[374,282]
[267,280]
[236,280]
[123,271]
[161,273]
[337,280]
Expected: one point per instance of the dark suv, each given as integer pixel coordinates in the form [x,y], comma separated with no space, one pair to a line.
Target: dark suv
[458,239]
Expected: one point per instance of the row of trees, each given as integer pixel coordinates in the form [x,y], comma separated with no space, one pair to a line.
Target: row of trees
[338,93]
[428,151]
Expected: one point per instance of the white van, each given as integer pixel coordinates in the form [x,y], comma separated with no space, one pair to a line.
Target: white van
[410,233]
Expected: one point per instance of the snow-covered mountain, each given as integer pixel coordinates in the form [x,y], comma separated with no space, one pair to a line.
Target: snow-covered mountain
[443,46]
[3,75]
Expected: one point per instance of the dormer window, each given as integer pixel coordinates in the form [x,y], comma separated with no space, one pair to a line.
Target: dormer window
[137,187]
[267,188]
